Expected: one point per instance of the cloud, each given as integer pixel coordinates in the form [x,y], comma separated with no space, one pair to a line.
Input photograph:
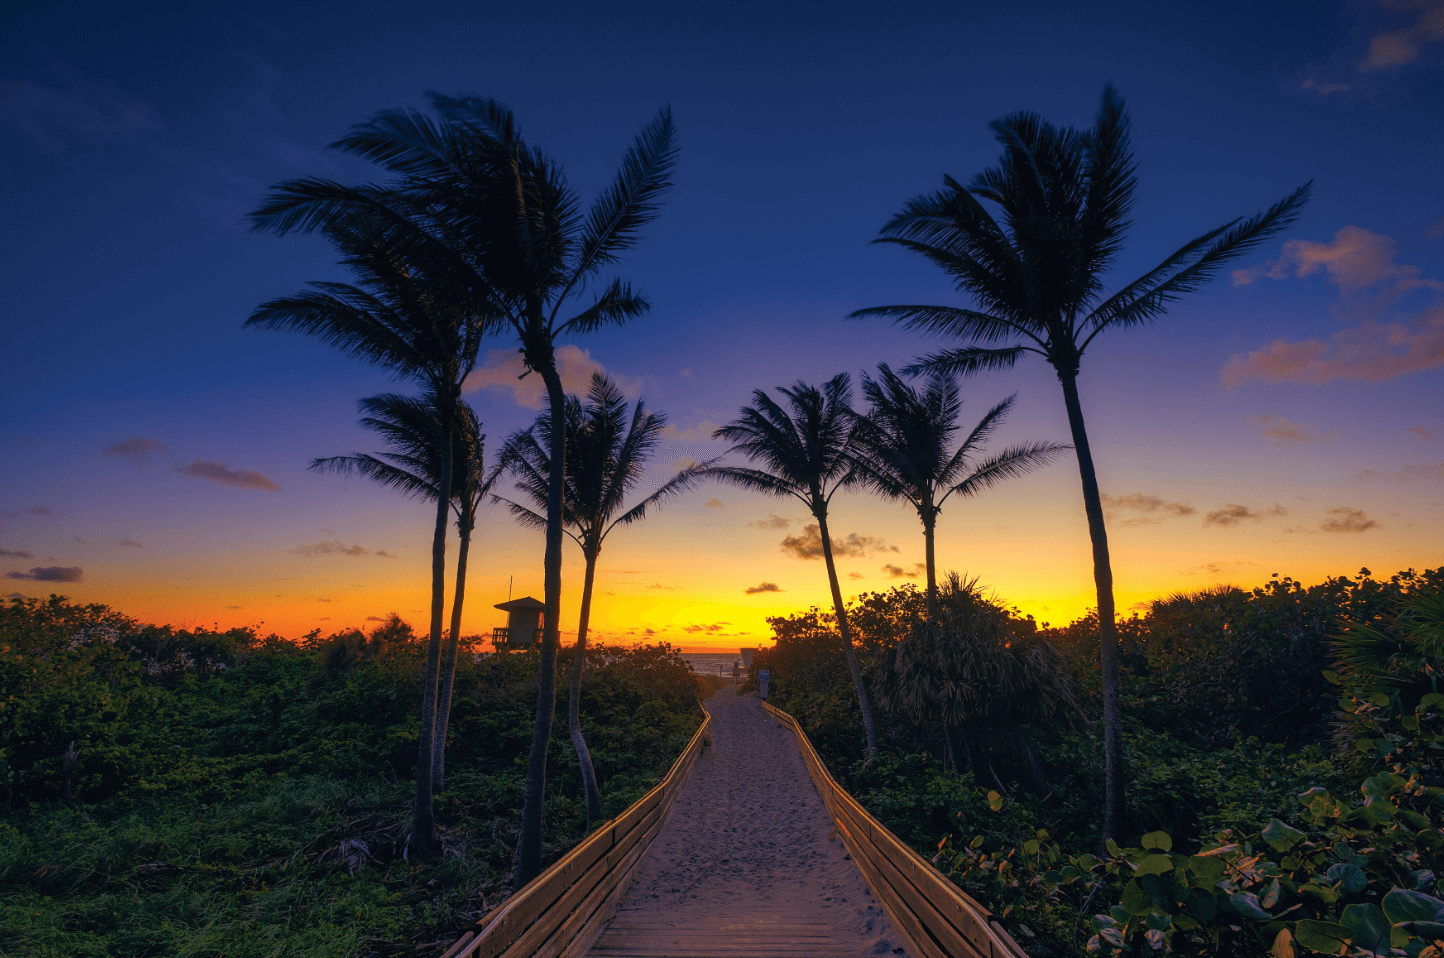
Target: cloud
[52,573]
[711,627]
[15,555]
[1324,88]
[713,503]
[898,572]
[503,370]
[129,544]
[1395,48]
[216,472]
[134,448]
[1216,568]
[375,618]
[332,547]
[665,588]
[1347,520]
[383,554]
[703,430]
[16,595]
[1148,507]
[773,521]
[1233,514]
[1283,432]
[808,545]
[1423,433]
[1409,473]
[763,587]
[323,600]
[1380,347]
[856,575]
[649,631]
[91,112]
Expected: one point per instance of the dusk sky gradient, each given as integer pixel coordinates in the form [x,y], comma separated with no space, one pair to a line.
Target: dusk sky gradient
[153,453]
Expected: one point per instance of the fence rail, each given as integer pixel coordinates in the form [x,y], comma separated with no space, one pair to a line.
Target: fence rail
[937,919]
[561,911]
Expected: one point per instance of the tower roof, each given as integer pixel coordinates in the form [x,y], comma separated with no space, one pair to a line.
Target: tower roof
[525,604]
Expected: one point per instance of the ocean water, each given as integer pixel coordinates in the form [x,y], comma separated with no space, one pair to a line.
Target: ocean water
[712,663]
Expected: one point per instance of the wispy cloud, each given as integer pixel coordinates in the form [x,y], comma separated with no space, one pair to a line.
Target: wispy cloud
[763,587]
[1283,432]
[665,588]
[218,473]
[503,370]
[1412,472]
[134,448]
[129,544]
[710,627]
[331,547]
[15,554]
[1344,519]
[52,573]
[1143,509]
[1422,433]
[703,430]
[713,503]
[1387,342]
[856,575]
[808,544]
[1396,48]
[28,511]
[898,572]
[773,521]
[1234,514]
[88,113]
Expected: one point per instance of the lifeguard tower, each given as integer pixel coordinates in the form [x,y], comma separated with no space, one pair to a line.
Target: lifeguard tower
[523,624]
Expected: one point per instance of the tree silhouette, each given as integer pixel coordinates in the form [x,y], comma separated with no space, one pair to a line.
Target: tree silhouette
[492,222]
[406,312]
[904,451]
[808,454]
[412,428]
[606,458]
[1037,280]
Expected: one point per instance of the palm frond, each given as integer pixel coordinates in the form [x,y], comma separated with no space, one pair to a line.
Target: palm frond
[967,361]
[631,201]
[1015,461]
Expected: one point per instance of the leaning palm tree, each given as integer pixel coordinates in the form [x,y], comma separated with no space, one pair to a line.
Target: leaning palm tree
[501,233]
[407,312]
[1037,281]
[606,458]
[412,428]
[904,443]
[808,455]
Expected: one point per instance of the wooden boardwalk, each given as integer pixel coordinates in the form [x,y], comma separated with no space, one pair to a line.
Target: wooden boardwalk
[749,862]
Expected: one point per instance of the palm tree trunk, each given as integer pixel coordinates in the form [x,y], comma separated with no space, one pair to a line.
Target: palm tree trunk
[574,701]
[846,632]
[1114,774]
[423,816]
[448,675]
[932,563]
[529,847]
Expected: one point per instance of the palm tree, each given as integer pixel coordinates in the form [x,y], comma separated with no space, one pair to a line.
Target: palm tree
[904,451]
[406,312]
[1036,278]
[808,455]
[606,458]
[493,225]
[412,428]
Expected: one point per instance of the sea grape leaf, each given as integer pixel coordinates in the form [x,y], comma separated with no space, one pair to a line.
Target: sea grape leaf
[1280,836]
[1155,865]
[1368,928]
[1201,905]
[1351,878]
[1321,936]
[1271,894]
[1135,900]
[1283,945]
[1400,905]
[1246,904]
[1158,840]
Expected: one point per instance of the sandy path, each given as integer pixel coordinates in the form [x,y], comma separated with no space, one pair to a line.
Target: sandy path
[747,863]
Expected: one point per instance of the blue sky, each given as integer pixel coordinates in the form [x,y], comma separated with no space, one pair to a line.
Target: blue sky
[133,142]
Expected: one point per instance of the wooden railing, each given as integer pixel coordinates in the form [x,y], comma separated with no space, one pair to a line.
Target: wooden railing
[561,911]
[935,917]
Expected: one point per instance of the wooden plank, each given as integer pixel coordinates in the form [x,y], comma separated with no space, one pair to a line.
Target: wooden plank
[537,903]
[579,942]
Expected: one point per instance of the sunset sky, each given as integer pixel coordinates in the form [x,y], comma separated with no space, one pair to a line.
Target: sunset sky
[153,453]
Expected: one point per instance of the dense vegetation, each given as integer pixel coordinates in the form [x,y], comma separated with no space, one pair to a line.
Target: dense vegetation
[1287,746]
[193,792]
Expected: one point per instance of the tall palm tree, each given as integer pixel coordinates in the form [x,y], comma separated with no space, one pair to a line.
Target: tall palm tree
[493,225]
[807,455]
[606,458]
[412,428]
[904,451]
[1037,281]
[405,312]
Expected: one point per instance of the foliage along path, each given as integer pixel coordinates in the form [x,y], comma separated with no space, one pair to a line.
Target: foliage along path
[748,862]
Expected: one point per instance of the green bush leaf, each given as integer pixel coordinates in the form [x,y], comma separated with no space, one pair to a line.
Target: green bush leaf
[1368,928]
[1209,869]
[1321,936]
[1400,905]
[1202,905]
[1270,897]
[1135,900]
[1351,878]
[1246,904]
[1155,865]
[1283,946]
[1158,840]
[1281,837]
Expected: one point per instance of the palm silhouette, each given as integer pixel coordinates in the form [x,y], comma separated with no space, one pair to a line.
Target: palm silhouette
[405,312]
[492,223]
[1037,280]
[606,458]
[808,455]
[412,428]
[904,451]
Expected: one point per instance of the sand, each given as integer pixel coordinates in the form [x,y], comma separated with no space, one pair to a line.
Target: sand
[748,862]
